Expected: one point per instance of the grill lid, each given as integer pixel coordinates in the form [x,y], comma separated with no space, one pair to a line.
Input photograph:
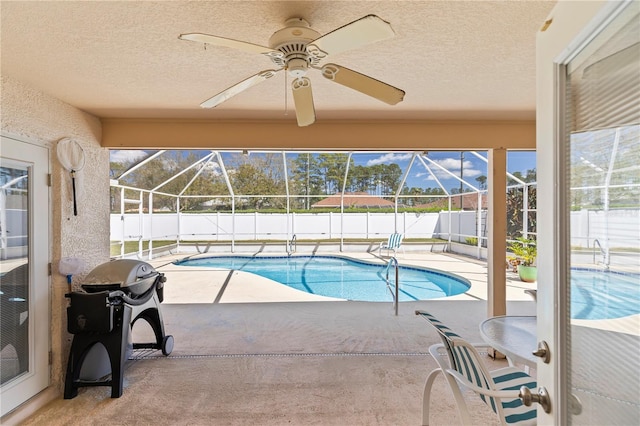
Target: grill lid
[126,273]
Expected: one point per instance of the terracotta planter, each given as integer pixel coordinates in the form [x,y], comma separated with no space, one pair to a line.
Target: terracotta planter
[528,274]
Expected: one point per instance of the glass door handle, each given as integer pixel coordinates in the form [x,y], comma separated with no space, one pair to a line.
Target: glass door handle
[542,398]
[543,352]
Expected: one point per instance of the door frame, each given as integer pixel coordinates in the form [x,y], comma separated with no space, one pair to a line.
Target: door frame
[569,28]
[38,377]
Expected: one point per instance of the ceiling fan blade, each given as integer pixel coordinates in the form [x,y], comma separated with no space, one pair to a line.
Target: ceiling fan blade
[228,42]
[237,88]
[303,99]
[360,32]
[363,84]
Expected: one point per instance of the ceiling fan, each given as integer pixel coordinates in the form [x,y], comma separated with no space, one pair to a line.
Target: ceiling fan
[296,48]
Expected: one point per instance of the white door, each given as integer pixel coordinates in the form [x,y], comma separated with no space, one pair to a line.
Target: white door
[24,278]
[588,133]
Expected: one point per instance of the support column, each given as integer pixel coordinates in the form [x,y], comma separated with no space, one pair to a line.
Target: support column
[497,226]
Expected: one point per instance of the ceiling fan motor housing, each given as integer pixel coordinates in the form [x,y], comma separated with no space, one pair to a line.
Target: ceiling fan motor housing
[292,42]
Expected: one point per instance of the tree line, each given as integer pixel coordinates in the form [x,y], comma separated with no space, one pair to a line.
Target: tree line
[257,181]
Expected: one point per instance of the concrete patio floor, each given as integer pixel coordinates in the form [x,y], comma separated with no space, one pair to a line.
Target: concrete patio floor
[285,363]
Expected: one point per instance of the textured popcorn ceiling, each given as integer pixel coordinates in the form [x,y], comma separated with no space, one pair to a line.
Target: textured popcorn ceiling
[455,60]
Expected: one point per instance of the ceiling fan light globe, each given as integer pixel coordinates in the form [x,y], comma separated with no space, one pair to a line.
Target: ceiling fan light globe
[297,67]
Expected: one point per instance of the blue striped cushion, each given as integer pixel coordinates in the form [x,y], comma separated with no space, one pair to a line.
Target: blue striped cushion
[445,334]
[511,378]
[466,364]
[508,378]
[442,329]
[395,240]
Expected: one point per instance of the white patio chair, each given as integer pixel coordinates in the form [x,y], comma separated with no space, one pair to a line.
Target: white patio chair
[393,243]
[532,293]
[499,389]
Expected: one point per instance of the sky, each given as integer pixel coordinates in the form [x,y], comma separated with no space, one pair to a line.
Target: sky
[472,165]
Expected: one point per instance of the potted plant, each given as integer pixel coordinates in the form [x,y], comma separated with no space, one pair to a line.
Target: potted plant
[525,251]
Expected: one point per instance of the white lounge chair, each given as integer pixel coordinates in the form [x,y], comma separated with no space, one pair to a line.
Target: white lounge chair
[393,243]
[499,389]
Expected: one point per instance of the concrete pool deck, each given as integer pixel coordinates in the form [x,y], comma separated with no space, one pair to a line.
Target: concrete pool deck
[186,285]
[192,284]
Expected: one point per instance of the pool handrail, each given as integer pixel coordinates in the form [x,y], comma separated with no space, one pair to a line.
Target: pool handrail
[603,252]
[393,295]
[292,245]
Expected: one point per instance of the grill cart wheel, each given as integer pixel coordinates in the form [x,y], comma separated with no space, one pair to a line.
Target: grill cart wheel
[167,345]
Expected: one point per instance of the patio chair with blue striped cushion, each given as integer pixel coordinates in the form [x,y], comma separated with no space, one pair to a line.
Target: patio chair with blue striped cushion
[500,389]
[393,243]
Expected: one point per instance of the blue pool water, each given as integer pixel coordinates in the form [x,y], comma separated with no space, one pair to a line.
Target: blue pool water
[604,295]
[342,278]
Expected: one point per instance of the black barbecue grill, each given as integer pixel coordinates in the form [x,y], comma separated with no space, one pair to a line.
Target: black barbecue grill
[116,294]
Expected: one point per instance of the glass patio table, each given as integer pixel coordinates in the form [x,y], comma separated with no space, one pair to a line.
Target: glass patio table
[514,336]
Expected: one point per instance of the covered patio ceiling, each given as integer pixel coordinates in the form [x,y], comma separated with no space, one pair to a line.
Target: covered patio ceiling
[456,60]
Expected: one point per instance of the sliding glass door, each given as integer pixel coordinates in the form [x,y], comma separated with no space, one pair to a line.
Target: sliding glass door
[24,279]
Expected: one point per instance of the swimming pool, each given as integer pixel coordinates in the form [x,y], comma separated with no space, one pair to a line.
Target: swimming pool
[342,278]
[597,294]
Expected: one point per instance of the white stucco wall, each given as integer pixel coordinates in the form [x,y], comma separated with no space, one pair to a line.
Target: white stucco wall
[36,117]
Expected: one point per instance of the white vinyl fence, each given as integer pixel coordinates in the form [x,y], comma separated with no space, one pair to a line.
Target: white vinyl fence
[589,228]
[613,228]
[272,226]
